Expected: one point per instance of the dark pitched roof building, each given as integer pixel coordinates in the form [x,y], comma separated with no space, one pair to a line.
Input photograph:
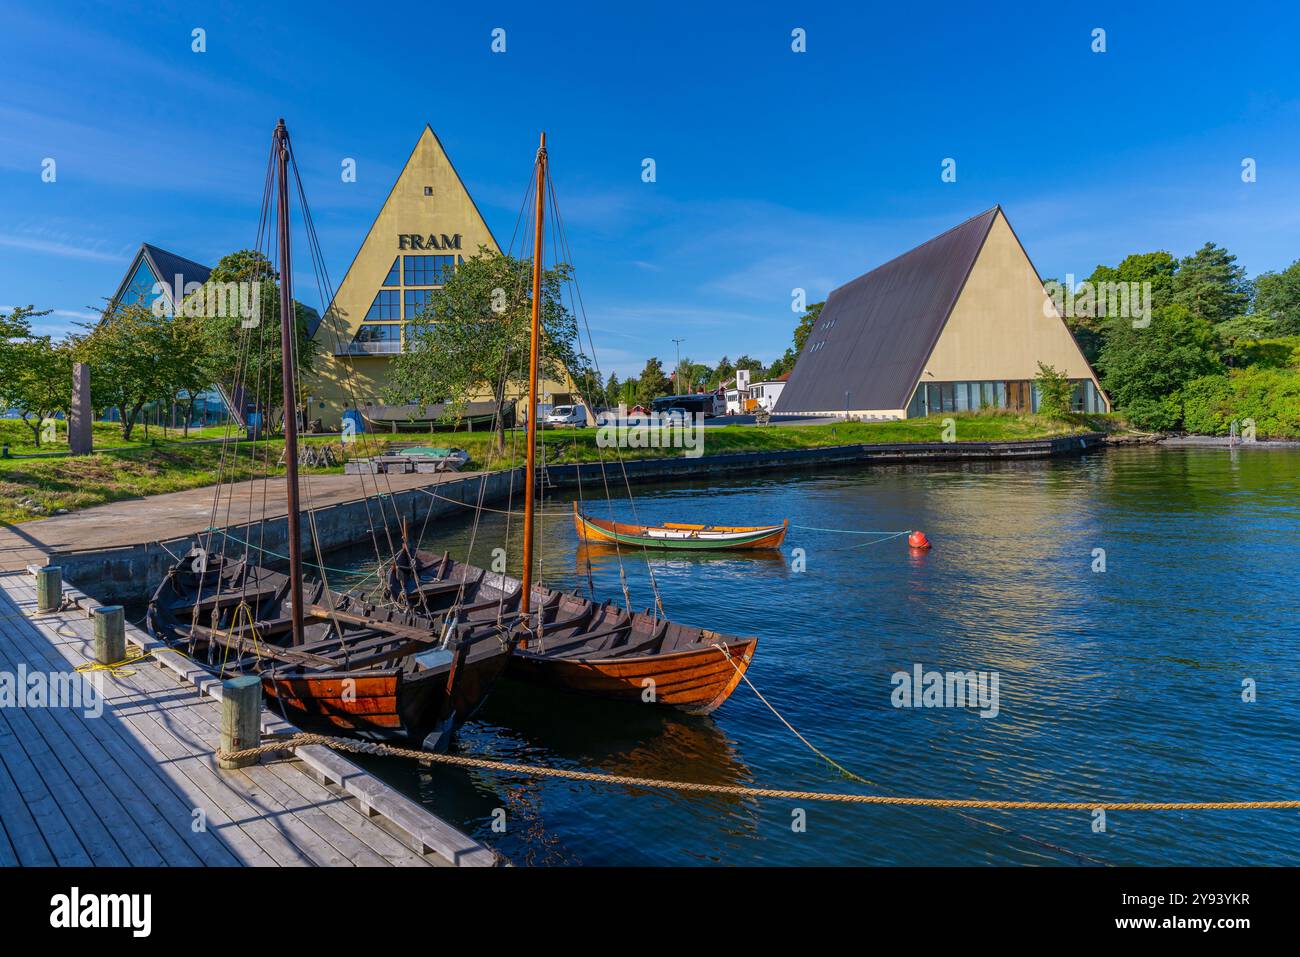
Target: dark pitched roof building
[957,323]
[153,267]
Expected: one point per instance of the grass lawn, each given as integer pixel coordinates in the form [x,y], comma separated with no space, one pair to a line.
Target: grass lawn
[39,486]
[579,445]
[107,435]
[35,487]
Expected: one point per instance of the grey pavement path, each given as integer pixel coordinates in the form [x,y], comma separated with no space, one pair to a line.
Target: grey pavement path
[175,514]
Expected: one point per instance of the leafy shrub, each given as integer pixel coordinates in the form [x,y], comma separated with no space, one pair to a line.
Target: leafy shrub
[1207,405]
[1054,391]
[1164,414]
[1280,353]
[1269,396]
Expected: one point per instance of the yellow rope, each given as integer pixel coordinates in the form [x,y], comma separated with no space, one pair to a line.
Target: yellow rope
[247,611]
[365,747]
[118,669]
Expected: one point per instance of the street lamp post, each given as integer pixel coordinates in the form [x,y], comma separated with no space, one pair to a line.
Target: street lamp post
[677,374]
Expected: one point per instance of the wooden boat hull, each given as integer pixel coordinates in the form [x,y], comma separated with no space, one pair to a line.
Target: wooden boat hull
[386,705]
[363,670]
[696,681]
[580,646]
[412,418]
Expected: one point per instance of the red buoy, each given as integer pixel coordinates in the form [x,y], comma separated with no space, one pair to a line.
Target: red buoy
[918,540]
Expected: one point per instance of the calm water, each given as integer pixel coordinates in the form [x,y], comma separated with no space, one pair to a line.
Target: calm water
[1119,685]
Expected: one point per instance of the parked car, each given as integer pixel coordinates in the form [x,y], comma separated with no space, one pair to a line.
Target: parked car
[566,415]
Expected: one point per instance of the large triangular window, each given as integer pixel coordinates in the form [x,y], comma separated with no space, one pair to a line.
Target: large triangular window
[387,305]
[394,277]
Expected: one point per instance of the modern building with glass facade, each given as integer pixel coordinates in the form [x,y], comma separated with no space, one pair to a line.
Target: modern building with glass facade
[427,226]
[155,272]
[958,323]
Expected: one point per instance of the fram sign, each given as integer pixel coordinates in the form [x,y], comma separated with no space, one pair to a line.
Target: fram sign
[431,241]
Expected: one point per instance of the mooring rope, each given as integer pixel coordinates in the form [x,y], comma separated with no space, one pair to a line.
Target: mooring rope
[871,784]
[356,572]
[557,512]
[849,531]
[780,717]
[118,669]
[302,739]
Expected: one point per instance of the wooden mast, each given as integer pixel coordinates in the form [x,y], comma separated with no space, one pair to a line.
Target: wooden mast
[530,468]
[287,348]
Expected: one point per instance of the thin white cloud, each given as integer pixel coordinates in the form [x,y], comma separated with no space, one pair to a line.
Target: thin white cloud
[54,247]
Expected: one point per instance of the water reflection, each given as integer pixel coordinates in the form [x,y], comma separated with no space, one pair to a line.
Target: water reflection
[1115,684]
[605,560]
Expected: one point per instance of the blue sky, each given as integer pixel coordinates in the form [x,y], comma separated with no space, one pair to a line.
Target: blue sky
[775,169]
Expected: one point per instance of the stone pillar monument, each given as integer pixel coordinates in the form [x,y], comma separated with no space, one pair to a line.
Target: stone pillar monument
[80,436]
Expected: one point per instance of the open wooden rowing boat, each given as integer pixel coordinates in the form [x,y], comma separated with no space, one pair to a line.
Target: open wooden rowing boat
[574,644]
[359,669]
[330,661]
[429,418]
[563,639]
[599,531]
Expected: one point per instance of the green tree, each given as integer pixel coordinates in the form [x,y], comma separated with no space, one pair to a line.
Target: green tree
[1239,335]
[693,375]
[783,365]
[35,372]
[474,335]
[1269,397]
[1211,284]
[652,382]
[725,372]
[1086,323]
[1054,392]
[15,328]
[1277,298]
[612,390]
[1146,369]
[126,352]
[755,367]
[186,363]
[587,381]
[805,325]
[244,357]
[628,391]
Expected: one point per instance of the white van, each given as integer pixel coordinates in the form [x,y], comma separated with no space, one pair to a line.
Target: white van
[566,415]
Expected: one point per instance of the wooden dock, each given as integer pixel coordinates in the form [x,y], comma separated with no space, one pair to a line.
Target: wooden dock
[138,783]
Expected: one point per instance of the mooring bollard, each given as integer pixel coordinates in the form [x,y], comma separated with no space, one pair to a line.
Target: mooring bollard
[49,588]
[110,634]
[241,718]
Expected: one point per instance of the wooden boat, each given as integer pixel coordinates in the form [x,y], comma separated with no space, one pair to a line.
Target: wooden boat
[564,640]
[574,644]
[599,531]
[429,418]
[330,661]
[360,669]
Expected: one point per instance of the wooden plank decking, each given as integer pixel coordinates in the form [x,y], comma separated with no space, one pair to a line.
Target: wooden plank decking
[127,786]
